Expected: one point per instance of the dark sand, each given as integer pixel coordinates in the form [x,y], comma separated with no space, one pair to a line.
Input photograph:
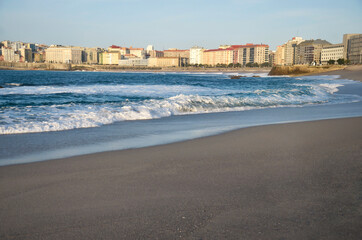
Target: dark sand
[287,181]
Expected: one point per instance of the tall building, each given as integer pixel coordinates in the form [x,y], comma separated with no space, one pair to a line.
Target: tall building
[196,55]
[27,54]
[332,52]
[290,49]
[8,53]
[346,38]
[309,51]
[16,45]
[272,58]
[355,49]
[150,48]
[6,43]
[250,53]
[280,55]
[57,54]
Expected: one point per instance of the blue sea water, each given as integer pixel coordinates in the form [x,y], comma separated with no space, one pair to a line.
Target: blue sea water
[110,111]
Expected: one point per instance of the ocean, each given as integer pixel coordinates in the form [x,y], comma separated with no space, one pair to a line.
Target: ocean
[46,115]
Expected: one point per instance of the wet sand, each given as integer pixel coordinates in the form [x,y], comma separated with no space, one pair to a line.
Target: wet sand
[285,181]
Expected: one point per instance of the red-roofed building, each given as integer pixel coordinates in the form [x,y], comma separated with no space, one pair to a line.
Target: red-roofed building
[218,56]
[243,54]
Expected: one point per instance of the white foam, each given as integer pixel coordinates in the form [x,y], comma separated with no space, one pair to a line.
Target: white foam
[124,90]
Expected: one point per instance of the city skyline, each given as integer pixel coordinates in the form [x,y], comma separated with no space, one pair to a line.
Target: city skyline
[180,24]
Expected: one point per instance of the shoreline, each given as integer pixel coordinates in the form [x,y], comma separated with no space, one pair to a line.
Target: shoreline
[294,180]
[274,181]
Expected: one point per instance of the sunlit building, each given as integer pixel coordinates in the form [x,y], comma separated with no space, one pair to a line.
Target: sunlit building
[213,57]
[56,54]
[332,52]
[196,55]
[309,51]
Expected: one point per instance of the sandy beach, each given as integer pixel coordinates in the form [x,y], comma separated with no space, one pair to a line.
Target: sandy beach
[283,181]
[286,181]
[353,72]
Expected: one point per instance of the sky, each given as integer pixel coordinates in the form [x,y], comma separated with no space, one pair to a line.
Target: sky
[176,23]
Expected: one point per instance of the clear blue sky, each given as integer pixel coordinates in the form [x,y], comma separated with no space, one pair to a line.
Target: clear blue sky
[176,23]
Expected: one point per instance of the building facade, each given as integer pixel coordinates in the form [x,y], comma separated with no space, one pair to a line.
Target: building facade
[355,49]
[290,48]
[250,53]
[133,62]
[167,62]
[63,55]
[27,54]
[332,52]
[8,53]
[309,51]
[196,55]
[109,58]
[280,55]
[138,52]
[177,53]
[213,57]
[90,55]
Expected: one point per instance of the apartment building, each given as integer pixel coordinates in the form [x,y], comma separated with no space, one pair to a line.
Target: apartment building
[355,49]
[138,52]
[155,53]
[109,58]
[218,56]
[290,48]
[59,54]
[250,53]
[173,52]
[167,62]
[9,54]
[280,55]
[272,58]
[309,51]
[196,55]
[90,55]
[27,54]
[332,52]
[133,62]
[346,38]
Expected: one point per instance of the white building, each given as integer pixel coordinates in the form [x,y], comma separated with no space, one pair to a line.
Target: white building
[8,53]
[196,55]
[332,52]
[16,46]
[150,48]
[63,55]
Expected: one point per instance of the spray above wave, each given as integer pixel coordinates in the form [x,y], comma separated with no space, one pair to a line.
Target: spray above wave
[26,109]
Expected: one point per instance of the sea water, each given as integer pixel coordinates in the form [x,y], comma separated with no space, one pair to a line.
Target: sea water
[118,110]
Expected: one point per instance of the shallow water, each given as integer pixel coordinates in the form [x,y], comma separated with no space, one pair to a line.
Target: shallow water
[112,111]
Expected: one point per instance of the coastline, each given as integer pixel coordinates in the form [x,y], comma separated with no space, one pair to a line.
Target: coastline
[297,181]
[294,180]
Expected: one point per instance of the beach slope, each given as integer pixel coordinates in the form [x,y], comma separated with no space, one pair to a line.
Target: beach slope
[285,181]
